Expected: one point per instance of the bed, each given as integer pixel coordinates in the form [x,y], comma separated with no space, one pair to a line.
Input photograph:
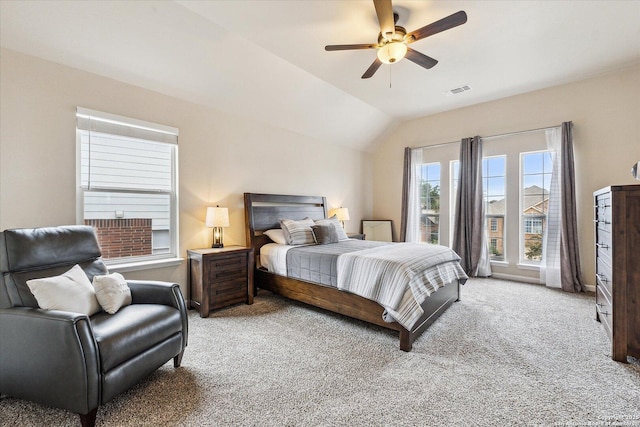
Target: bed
[264,211]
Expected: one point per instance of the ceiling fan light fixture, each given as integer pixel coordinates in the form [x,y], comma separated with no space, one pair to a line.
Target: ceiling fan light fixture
[392,52]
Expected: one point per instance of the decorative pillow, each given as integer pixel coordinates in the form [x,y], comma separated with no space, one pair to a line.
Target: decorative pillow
[277,235]
[71,291]
[325,233]
[112,292]
[298,232]
[342,235]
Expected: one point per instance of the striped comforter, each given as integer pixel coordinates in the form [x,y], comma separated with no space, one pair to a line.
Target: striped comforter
[399,277]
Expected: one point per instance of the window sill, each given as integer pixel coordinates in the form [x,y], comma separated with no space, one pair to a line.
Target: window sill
[144,265]
[501,264]
[534,267]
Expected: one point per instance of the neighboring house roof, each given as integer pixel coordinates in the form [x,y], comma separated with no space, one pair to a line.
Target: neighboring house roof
[534,200]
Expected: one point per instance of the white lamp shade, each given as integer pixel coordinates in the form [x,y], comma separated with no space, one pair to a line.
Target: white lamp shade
[341,214]
[392,52]
[217,217]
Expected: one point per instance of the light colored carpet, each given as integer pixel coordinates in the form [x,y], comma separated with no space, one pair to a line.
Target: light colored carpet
[507,354]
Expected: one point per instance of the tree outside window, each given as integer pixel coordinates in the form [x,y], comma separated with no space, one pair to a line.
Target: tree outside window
[430,203]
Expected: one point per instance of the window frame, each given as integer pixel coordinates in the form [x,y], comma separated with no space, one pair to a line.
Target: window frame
[486,200]
[428,181]
[523,261]
[134,262]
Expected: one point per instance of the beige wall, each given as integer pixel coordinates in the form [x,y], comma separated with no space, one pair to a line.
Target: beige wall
[606,115]
[221,156]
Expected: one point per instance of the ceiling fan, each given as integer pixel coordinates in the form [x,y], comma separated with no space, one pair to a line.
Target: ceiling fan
[393,40]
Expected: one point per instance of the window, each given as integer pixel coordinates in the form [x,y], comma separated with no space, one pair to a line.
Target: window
[532,225]
[127,175]
[534,195]
[430,203]
[494,191]
[507,172]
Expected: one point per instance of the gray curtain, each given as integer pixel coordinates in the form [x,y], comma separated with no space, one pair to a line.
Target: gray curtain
[569,253]
[406,175]
[469,240]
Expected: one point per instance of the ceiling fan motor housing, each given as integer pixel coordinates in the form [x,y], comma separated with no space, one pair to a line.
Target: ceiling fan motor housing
[392,46]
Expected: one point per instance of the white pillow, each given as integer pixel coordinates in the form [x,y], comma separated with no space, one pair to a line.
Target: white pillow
[277,235]
[71,291]
[112,292]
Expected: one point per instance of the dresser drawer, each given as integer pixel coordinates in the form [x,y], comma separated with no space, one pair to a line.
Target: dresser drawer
[603,241]
[604,276]
[604,309]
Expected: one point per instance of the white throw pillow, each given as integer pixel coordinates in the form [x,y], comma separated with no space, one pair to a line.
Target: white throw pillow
[277,235]
[112,292]
[71,291]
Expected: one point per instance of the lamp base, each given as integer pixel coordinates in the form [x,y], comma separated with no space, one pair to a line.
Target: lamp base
[217,238]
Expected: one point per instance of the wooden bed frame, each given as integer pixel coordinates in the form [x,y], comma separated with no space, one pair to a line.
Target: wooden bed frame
[264,212]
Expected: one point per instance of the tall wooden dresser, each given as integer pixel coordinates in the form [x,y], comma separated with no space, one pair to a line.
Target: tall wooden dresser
[617,227]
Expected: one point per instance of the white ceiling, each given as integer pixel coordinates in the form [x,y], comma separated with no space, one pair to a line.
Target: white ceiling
[266,59]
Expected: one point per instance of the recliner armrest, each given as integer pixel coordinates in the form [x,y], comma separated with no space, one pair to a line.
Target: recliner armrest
[49,356]
[153,292]
[164,293]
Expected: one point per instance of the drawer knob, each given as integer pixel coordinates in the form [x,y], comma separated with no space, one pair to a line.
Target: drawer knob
[602,278]
[600,306]
[602,245]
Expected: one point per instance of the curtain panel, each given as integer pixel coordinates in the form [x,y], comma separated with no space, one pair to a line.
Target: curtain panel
[560,264]
[569,252]
[410,221]
[469,238]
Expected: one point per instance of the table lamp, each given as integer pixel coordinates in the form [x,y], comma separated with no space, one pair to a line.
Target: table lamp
[217,218]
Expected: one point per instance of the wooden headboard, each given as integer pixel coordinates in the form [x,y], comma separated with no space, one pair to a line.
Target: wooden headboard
[264,211]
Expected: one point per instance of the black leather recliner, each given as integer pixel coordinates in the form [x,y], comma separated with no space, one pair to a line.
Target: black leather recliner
[69,360]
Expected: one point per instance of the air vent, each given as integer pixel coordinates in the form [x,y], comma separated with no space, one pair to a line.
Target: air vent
[457,90]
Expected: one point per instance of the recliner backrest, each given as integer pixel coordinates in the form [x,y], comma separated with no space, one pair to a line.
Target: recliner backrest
[30,253]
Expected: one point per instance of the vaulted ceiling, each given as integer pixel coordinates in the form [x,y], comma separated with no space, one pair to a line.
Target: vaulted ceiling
[266,59]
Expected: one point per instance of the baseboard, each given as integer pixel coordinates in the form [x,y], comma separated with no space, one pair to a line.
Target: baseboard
[515,278]
[588,288]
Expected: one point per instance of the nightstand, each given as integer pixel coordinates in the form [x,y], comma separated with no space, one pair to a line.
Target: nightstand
[219,277]
[358,236]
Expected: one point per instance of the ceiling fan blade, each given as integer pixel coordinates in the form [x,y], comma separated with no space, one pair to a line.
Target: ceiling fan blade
[420,58]
[372,69]
[450,21]
[384,10]
[349,46]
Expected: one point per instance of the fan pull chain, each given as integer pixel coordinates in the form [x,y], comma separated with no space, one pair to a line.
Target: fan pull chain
[389,77]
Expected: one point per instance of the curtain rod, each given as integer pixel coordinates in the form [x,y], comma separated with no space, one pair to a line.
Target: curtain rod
[490,137]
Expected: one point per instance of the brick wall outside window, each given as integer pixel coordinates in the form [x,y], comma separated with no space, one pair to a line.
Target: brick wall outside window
[120,238]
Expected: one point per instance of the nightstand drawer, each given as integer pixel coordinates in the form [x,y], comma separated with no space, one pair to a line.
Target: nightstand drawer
[231,262]
[228,292]
[228,269]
